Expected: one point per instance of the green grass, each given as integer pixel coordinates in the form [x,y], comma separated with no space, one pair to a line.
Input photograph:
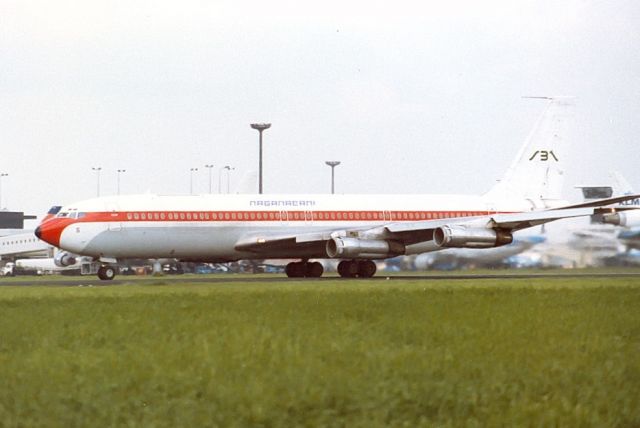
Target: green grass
[534,352]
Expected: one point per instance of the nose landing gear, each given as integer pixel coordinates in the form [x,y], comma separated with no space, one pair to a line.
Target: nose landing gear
[106,272]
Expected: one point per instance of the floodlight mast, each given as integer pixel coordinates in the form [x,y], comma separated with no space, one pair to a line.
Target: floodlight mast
[260,127]
[209,167]
[120,171]
[2,174]
[333,165]
[97,169]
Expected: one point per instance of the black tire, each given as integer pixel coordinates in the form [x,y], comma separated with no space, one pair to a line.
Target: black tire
[348,268]
[366,268]
[343,268]
[314,270]
[295,270]
[106,273]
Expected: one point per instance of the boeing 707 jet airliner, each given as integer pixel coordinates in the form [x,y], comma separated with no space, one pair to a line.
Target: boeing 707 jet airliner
[356,229]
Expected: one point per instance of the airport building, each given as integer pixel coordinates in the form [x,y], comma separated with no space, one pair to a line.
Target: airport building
[13,219]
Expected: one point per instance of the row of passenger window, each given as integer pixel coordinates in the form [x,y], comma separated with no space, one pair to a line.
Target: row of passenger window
[20,241]
[298,215]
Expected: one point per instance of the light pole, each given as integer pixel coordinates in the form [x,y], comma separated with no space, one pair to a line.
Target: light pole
[228,168]
[192,170]
[2,174]
[97,169]
[209,167]
[120,171]
[260,127]
[333,165]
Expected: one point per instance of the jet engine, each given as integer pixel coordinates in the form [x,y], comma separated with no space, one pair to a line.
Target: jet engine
[64,259]
[624,219]
[351,248]
[460,236]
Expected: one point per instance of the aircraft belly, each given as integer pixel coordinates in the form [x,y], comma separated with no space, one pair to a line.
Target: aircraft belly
[188,242]
[154,242]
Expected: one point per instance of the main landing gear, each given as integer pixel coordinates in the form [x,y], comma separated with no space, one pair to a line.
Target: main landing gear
[346,269]
[356,268]
[304,270]
[106,272]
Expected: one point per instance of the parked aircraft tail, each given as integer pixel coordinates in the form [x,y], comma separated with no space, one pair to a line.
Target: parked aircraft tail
[620,185]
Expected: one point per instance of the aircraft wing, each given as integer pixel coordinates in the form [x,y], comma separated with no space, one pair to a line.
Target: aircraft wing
[601,203]
[412,233]
[409,233]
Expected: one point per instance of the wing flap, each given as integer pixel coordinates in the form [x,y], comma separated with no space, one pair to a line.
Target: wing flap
[261,243]
[515,221]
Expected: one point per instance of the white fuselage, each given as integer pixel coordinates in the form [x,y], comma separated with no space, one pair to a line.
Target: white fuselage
[210,227]
[23,244]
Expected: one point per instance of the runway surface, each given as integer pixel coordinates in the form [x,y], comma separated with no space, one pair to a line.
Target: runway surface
[77,281]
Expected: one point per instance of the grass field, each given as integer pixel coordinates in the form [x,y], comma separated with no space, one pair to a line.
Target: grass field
[532,352]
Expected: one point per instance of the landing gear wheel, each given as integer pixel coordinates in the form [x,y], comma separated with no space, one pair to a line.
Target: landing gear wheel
[356,268]
[366,269]
[106,273]
[293,270]
[348,268]
[304,269]
[343,269]
[314,270]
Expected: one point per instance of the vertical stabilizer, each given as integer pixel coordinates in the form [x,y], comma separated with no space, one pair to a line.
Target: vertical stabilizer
[537,172]
[620,185]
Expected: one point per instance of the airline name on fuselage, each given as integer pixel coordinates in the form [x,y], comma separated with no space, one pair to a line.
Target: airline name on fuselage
[283,203]
[632,202]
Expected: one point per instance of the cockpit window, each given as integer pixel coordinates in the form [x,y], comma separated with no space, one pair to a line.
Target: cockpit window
[80,215]
[54,209]
[62,214]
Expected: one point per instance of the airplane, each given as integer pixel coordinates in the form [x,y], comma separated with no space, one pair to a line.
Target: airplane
[51,264]
[356,229]
[25,244]
[36,254]
[454,258]
[627,218]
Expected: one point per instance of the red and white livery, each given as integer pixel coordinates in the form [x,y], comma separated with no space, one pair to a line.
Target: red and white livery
[354,228]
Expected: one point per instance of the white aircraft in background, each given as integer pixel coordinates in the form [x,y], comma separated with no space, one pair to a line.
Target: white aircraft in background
[24,244]
[25,251]
[356,229]
[629,220]
[455,258]
[51,264]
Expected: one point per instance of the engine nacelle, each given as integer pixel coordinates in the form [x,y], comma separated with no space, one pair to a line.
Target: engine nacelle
[349,248]
[459,236]
[63,259]
[624,219]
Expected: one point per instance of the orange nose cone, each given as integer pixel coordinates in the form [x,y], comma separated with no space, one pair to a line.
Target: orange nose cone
[51,231]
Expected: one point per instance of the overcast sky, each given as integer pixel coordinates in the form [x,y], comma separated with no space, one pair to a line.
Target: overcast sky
[411,96]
